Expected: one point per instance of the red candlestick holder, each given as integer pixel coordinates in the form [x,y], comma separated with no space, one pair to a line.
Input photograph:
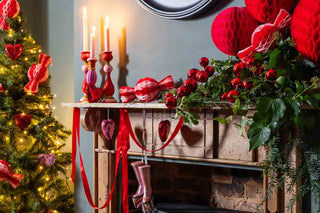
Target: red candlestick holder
[108,87]
[85,55]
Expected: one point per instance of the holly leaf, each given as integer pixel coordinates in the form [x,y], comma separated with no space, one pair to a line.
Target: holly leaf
[258,135]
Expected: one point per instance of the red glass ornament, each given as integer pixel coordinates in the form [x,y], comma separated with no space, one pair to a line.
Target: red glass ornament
[236,82]
[202,76]
[192,73]
[171,102]
[209,70]
[271,74]
[224,96]
[247,85]
[191,84]
[231,97]
[167,95]
[204,61]
[238,67]
[183,91]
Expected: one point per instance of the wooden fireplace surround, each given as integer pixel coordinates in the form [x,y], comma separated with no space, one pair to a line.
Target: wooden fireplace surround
[212,144]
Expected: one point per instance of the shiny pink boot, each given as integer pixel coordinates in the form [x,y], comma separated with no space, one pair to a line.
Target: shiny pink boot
[137,197]
[147,203]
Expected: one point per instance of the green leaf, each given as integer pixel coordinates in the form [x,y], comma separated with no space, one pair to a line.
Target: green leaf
[264,105]
[258,135]
[280,80]
[274,58]
[279,109]
[295,105]
[229,119]
[220,120]
[299,86]
[258,57]
[239,128]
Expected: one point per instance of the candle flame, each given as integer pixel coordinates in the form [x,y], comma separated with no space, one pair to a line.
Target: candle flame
[93,29]
[107,21]
[84,11]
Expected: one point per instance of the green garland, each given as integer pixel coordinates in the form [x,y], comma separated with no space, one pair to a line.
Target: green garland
[286,114]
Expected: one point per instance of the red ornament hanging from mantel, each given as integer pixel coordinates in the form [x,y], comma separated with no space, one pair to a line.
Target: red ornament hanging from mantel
[266,11]
[8,9]
[231,30]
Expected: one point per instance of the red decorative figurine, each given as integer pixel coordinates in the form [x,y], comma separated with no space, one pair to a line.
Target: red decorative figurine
[38,74]
[8,9]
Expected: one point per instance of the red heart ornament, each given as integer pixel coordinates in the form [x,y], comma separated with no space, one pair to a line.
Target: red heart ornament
[266,11]
[94,94]
[305,29]
[14,51]
[107,127]
[231,30]
[22,120]
[164,129]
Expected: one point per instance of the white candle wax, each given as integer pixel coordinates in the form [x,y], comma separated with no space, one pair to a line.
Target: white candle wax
[92,42]
[85,30]
[107,34]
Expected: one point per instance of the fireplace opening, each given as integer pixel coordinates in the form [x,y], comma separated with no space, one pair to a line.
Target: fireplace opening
[186,188]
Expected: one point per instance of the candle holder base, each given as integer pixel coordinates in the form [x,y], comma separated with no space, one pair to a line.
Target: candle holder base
[84,99]
[109,99]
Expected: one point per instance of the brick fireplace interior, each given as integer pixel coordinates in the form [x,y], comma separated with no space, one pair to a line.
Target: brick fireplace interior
[177,185]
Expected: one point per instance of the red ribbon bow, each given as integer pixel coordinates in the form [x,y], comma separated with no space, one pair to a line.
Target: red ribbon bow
[146,90]
[265,36]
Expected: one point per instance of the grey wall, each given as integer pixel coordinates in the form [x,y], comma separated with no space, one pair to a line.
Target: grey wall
[155,47]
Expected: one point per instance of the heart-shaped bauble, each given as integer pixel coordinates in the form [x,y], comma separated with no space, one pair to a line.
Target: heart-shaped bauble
[266,11]
[305,29]
[107,128]
[231,30]
[164,130]
[46,160]
[22,120]
[94,94]
[14,51]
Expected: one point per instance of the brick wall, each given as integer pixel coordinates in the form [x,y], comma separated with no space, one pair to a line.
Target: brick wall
[210,186]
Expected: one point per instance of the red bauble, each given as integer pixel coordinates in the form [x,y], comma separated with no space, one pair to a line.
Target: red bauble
[236,82]
[231,30]
[167,95]
[238,67]
[22,120]
[191,84]
[266,11]
[192,73]
[247,85]
[94,94]
[171,102]
[231,97]
[271,74]
[14,51]
[183,91]
[1,88]
[8,9]
[38,74]
[204,61]
[305,29]
[202,76]
[164,130]
[224,96]
[209,70]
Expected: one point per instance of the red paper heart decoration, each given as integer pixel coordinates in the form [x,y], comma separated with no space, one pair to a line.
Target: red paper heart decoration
[14,51]
[22,120]
[305,29]
[164,129]
[107,127]
[94,94]
[231,30]
[266,11]
[46,160]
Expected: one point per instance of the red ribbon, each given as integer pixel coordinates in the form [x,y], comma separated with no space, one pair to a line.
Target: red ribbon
[123,145]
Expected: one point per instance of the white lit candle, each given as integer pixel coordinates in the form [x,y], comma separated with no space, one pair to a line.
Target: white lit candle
[85,29]
[92,42]
[107,34]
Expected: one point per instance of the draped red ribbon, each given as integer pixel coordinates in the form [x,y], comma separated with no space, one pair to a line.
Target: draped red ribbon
[123,145]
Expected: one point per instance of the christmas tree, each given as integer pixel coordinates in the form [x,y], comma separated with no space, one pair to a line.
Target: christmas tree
[33,169]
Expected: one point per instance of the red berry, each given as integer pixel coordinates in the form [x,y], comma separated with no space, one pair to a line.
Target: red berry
[209,70]
[236,82]
[250,62]
[191,84]
[204,61]
[238,67]
[167,95]
[171,102]
[271,74]
[192,73]
[183,91]
[247,85]
[202,76]
[224,96]
[232,95]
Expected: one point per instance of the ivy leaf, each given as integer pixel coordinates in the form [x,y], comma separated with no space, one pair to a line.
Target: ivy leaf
[220,120]
[229,119]
[264,105]
[278,109]
[274,58]
[258,135]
